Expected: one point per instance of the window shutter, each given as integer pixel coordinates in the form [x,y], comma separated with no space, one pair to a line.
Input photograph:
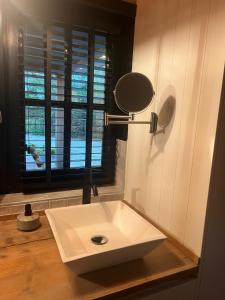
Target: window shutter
[65,87]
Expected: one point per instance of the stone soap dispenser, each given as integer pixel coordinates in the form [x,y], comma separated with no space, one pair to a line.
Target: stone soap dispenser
[28,221]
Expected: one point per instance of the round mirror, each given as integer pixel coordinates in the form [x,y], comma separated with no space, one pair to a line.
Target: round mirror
[133,92]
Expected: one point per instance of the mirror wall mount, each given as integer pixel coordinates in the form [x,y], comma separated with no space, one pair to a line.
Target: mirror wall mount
[118,120]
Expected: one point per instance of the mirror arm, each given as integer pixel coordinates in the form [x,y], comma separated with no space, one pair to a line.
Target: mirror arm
[108,117]
[119,117]
[113,119]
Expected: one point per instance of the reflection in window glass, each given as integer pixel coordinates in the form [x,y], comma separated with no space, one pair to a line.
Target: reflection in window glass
[35,138]
[34,62]
[58,47]
[100,69]
[78,138]
[97,138]
[57,138]
[79,77]
[34,85]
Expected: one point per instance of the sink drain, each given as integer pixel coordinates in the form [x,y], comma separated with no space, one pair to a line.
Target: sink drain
[99,239]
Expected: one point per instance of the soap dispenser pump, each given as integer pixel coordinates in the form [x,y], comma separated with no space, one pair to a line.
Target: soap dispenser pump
[28,220]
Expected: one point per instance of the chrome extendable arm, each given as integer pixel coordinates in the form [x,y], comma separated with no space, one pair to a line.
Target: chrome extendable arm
[118,120]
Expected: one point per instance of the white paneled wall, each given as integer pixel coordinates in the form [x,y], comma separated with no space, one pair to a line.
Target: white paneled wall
[180,46]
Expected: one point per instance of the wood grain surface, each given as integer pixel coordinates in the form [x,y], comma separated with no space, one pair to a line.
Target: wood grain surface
[9,235]
[31,269]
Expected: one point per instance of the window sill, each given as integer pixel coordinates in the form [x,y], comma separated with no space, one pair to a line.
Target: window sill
[14,203]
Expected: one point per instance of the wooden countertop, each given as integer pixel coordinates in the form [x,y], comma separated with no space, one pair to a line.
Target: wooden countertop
[31,269]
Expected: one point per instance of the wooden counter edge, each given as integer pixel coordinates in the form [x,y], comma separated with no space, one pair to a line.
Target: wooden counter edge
[154,285]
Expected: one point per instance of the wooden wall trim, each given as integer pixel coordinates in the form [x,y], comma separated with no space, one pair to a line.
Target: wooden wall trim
[211,284]
[3,148]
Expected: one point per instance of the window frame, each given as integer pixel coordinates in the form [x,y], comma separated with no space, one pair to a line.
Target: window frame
[121,27]
[50,178]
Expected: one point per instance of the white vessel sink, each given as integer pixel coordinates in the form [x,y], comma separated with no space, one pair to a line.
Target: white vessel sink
[122,233]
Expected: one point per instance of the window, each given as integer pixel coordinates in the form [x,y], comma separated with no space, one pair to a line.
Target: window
[65,80]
